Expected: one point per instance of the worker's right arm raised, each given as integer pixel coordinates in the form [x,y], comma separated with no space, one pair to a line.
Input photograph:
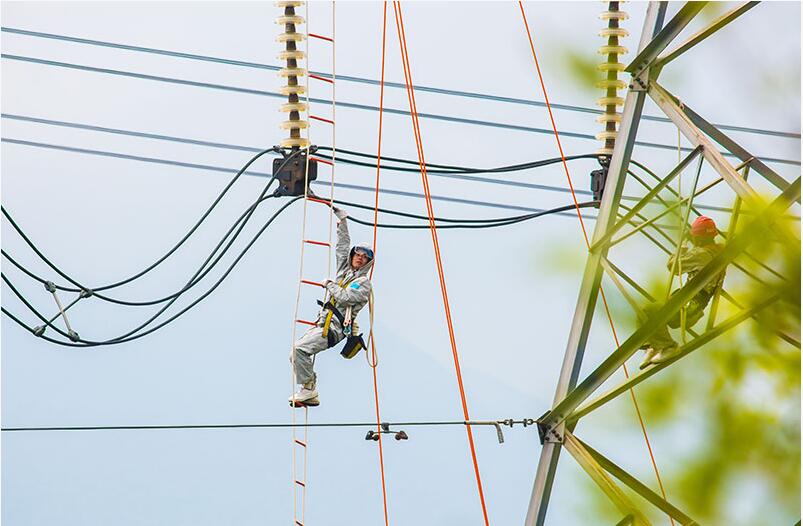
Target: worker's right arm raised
[343,238]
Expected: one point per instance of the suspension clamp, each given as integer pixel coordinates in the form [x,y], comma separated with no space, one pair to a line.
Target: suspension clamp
[294,175]
[385,428]
[598,178]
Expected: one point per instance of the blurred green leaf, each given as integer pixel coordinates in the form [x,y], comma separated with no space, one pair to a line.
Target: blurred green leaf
[581,67]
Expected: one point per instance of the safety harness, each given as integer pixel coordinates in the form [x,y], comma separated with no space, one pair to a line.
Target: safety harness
[354,344]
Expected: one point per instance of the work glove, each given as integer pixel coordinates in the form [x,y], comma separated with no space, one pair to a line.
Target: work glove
[339,213]
[326,283]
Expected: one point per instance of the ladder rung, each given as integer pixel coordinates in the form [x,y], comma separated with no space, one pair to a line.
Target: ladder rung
[307,282]
[321,119]
[300,443]
[299,523]
[316,77]
[301,484]
[322,201]
[313,35]
[305,322]
[324,161]
[322,243]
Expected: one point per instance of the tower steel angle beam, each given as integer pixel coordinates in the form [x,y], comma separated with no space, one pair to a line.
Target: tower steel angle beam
[671,106]
[662,39]
[617,171]
[729,144]
[599,475]
[704,33]
[636,485]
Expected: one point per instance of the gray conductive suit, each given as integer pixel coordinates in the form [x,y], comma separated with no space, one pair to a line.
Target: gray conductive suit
[351,288]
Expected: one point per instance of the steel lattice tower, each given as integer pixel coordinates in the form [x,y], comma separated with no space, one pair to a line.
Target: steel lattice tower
[573,398]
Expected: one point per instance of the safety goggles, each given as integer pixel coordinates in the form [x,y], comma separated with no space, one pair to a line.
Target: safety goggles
[367,252]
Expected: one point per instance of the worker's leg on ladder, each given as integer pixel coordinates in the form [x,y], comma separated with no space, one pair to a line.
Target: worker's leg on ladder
[659,341]
[310,344]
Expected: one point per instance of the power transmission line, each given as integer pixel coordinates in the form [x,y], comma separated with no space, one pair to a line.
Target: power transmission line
[353,105]
[118,301]
[134,333]
[453,172]
[213,168]
[460,223]
[221,169]
[196,278]
[431,168]
[450,224]
[509,422]
[96,290]
[199,275]
[362,80]
[128,336]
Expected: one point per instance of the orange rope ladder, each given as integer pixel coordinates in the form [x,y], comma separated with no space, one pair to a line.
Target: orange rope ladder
[299,480]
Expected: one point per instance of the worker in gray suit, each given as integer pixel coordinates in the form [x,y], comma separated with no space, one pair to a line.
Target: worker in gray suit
[347,294]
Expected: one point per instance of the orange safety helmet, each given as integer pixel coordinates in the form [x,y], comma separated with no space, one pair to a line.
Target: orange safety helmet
[704,227]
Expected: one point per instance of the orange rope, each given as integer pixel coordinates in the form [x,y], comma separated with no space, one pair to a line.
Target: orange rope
[433,230]
[371,274]
[585,236]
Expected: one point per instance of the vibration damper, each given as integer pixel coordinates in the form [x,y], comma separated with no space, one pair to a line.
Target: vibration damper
[384,427]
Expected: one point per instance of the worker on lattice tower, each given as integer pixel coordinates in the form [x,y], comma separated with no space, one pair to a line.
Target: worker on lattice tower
[660,347]
[347,294]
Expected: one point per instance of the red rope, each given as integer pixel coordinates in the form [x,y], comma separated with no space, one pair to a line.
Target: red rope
[374,361]
[433,231]
[585,236]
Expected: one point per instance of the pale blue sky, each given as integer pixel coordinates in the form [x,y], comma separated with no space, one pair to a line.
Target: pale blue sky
[102,219]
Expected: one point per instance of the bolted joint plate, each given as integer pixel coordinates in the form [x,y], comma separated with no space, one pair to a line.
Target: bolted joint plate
[548,433]
[639,83]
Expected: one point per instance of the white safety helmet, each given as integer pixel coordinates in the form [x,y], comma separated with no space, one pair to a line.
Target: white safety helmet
[365,248]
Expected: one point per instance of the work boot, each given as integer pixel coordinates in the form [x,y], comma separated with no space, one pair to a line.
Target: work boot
[307,395]
[665,355]
[304,396]
[649,353]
